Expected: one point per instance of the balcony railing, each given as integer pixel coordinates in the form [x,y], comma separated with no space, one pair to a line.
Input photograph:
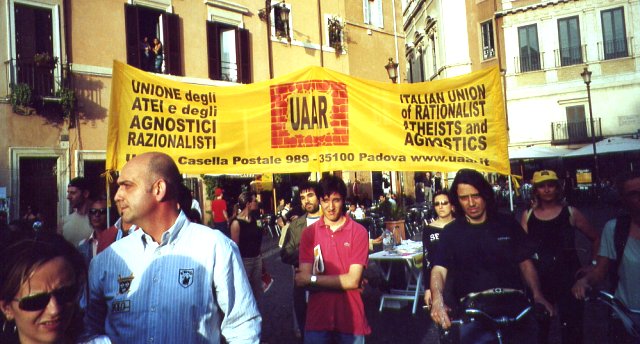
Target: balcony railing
[44,79]
[615,48]
[529,63]
[563,133]
[568,56]
[575,55]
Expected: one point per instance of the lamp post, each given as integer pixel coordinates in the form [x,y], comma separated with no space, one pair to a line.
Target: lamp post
[392,70]
[265,14]
[586,76]
[396,180]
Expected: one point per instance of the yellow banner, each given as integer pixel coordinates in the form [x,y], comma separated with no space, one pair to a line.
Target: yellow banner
[314,120]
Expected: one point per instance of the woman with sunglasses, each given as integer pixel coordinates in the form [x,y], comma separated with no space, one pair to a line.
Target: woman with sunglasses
[551,225]
[431,235]
[41,284]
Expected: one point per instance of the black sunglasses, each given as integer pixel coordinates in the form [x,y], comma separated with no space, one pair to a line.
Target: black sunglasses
[40,301]
[435,204]
[97,211]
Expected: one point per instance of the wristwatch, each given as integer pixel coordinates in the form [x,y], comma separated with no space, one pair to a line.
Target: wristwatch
[314,279]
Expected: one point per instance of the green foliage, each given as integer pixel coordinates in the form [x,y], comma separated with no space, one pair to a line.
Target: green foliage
[391,211]
[44,60]
[20,95]
[211,184]
[67,101]
[336,29]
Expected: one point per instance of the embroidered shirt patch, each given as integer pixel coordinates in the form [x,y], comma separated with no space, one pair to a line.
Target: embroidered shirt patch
[186,277]
[124,283]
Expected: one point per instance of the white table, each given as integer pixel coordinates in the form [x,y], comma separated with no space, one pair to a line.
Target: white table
[411,257]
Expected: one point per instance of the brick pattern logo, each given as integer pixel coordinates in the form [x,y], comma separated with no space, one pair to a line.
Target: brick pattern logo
[309,114]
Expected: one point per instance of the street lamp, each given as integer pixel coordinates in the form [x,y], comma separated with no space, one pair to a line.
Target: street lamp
[392,70]
[586,76]
[265,15]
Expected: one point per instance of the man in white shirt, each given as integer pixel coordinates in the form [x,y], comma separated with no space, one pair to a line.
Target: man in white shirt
[76,226]
[171,281]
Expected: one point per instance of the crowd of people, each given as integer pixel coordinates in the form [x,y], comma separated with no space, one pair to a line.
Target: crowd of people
[158,276]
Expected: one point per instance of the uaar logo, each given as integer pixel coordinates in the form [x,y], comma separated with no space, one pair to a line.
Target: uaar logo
[309,114]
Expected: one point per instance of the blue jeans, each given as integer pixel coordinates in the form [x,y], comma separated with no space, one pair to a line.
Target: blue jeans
[326,337]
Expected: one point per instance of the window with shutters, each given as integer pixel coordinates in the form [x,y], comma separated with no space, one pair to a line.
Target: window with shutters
[614,36]
[570,51]
[35,47]
[142,25]
[372,10]
[229,53]
[529,48]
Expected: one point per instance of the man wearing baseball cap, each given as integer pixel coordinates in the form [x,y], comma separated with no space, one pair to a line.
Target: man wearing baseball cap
[219,213]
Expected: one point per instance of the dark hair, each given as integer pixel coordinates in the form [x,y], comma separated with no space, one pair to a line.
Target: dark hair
[308,185]
[332,184]
[245,198]
[444,192]
[23,257]
[477,180]
[80,183]
[624,178]
[193,215]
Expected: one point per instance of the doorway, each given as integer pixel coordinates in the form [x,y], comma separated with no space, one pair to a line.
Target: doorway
[38,180]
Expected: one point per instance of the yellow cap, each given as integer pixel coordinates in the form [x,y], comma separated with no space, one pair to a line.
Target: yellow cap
[544,176]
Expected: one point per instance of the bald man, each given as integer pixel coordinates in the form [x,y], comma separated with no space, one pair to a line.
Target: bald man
[172,281]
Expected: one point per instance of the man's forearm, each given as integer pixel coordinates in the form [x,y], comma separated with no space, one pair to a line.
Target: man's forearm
[530,276]
[436,284]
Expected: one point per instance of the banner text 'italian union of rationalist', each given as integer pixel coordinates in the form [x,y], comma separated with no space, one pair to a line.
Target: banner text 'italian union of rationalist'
[310,120]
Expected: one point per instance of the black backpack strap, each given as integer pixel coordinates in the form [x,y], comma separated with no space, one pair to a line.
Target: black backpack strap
[620,237]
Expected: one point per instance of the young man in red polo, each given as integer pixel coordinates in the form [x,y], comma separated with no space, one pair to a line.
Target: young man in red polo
[335,312]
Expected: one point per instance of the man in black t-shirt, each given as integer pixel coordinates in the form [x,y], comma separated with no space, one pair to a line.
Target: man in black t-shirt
[483,250]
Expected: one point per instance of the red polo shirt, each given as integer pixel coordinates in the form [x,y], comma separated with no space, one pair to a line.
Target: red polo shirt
[334,310]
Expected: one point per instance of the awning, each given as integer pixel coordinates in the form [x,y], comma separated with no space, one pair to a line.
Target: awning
[610,145]
[537,152]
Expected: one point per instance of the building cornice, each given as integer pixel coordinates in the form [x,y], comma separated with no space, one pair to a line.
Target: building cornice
[544,4]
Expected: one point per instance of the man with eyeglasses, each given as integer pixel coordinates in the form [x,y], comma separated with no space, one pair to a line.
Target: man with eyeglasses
[102,236]
[171,281]
[482,250]
[620,237]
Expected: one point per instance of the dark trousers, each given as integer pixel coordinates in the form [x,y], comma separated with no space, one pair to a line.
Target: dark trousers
[300,307]
[223,227]
[477,332]
[571,316]
[618,334]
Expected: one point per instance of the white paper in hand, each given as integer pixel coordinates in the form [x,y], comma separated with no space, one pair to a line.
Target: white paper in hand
[318,262]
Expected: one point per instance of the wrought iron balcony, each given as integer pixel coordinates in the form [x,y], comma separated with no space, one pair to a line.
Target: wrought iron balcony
[43,78]
[563,133]
[615,48]
[568,56]
[529,62]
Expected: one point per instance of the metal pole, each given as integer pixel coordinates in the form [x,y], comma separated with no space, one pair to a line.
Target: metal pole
[267,6]
[510,194]
[596,174]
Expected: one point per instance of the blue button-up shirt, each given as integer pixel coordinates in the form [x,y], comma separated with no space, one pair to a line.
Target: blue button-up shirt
[190,288]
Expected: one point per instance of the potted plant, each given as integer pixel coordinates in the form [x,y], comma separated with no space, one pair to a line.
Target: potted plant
[21,99]
[44,60]
[67,101]
[336,30]
[394,216]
